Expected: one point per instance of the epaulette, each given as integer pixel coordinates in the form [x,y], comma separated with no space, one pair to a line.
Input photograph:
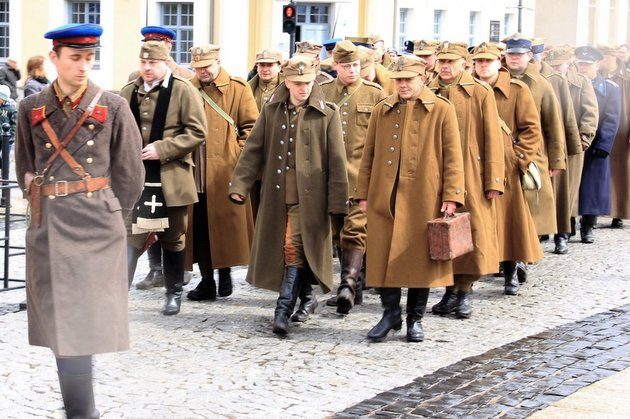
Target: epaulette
[372,84]
[612,82]
[332,106]
[239,80]
[518,82]
[444,99]
[327,81]
[128,83]
[482,83]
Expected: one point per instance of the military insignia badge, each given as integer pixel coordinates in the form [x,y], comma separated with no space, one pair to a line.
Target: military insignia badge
[445,45]
[301,69]
[145,55]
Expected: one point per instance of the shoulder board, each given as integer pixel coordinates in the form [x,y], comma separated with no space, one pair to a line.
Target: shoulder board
[482,83]
[128,83]
[38,115]
[517,82]
[612,83]
[239,80]
[99,113]
[468,83]
[443,98]
[332,106]
[327,81]
[372,84]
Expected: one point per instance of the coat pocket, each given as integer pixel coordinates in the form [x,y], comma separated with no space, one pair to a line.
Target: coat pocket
[113,204]
[364,111]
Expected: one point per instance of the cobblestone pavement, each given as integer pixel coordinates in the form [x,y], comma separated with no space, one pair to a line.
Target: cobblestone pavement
[220,359]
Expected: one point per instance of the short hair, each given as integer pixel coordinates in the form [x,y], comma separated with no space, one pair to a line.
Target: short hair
[33,64]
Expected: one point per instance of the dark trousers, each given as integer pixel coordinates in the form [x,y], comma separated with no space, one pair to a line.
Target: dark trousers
[201,239]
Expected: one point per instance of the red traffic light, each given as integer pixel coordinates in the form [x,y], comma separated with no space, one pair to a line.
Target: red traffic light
[289,11]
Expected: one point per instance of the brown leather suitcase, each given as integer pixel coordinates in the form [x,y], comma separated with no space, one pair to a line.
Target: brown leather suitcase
[450,237]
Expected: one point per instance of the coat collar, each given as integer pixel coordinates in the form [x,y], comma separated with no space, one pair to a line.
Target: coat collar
[50,99]
[222,82]
[316,100]
[466,82]
[427,98]
[503,82]
[351,88]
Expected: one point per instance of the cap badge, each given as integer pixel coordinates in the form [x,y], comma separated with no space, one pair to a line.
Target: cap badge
[145,55]
[301,69]
[445,45]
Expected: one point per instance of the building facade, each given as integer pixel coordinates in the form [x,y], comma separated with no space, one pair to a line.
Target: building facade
[243,27]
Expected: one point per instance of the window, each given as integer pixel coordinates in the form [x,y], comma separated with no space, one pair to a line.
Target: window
[312,14]
[612,23]
[83,11]
[403,25]
[179,17]
[472,28]
[4,29]
[508,24]
[438,19]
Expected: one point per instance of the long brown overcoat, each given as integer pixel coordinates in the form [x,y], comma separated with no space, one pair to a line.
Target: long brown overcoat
[587,117]
[322,185]
[484,166]
[383,80]
[76,260]
[518,240]
[573,146]
[550,154]
[231,227]
[620,153]
[412,162]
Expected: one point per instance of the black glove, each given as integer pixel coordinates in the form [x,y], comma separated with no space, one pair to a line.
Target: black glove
[600,153]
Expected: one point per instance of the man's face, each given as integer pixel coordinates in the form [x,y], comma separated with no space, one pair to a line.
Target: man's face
[73,65]
[268,72]
[561,68]
[152,70]
[430,59]
[409,88]
[379,50]
[368,73]
[517,62]
[449,70]
[622,54]
[348,73]
[487,69]
[209,73]
[609,63]
[587,69]
[299,90]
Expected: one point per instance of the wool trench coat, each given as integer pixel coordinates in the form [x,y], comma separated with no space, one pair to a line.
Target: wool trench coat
[550,154]
[76,259]
[595,186]
[620,154]
[322,185]
[230,226]
[522,136]
[412,162]
[586,115]
[484,167]
[573,146]
[383,80]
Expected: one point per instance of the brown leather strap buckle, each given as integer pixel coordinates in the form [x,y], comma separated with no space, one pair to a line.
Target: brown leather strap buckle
[63,183]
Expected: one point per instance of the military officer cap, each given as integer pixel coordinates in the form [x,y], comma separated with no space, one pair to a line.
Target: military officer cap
[538,47]
[452,51]
[587,54]
[157,33]
[558,55]
[408,47]
[608,50]
[366,55]
[425,47]
[375,39]
[345,52]
[517,44]
[204,55]
[407,66]
[76,35]
[308,48]
[154,50]
[329,44]
[360,41]
[486,51]
[269,57]
[300,68]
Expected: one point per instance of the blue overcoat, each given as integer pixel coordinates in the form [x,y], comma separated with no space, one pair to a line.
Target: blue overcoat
[595,186]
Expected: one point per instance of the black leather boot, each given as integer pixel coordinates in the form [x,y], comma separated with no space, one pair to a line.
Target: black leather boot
[521,272]
[173,280]
[464,304]
[308,300]
[225,282]
[616,223]
[447,304]
[206,290]
[351,261]
[75,382]
[587,223]
[572,227]
[562,243]
[390,297]
[289,291]
[155,277]
[511,285]
[416,305]
[133,255]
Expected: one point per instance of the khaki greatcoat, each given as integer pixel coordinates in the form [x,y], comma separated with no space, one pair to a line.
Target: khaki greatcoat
[573,146]
[482,150]
[550,154]
[322,185]
[405,188]
[76,260]
[383,80]
[231,227]
[263,91]
[620,153]
[518,240]
[587,117]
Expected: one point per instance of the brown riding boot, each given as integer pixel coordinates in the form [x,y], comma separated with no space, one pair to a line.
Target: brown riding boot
[351,261]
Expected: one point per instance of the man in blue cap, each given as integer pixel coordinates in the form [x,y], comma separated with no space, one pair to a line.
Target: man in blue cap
[78,159]
[595,184]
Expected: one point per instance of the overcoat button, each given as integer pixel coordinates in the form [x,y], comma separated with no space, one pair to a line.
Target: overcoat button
[48,145]
[91,126]
[89,160]
[90,143]
[89,194]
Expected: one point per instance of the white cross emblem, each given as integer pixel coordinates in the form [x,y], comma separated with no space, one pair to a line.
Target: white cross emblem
[153,203]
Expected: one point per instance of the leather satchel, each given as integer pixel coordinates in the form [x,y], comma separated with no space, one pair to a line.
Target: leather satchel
[531,180]
[450,237]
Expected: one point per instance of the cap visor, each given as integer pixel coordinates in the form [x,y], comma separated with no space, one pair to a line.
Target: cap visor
[517,50]
[405,74]
[301,78]
[423,52]
[448,56]
[485,56]
[202,63]
[267,61]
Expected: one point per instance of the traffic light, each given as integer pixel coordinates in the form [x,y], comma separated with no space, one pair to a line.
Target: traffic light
[289,18]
